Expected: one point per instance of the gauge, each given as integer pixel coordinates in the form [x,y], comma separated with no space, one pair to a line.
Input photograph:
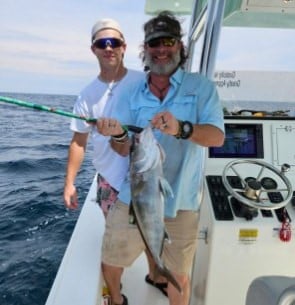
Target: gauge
[248,179]
[269,183]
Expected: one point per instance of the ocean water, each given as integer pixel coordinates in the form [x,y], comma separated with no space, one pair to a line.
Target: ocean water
[286,107]
[35,227]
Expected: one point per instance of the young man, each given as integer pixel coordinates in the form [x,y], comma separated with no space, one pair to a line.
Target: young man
[186,114]
[98,100]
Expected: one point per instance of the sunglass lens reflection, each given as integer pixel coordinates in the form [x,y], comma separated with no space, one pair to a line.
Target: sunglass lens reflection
[103,43]
[166,42]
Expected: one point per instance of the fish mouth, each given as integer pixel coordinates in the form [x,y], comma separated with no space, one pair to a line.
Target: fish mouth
[144,135]
[135,140]
[134,129]
[132,146]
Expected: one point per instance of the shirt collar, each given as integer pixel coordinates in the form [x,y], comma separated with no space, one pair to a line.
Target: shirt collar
[175,78]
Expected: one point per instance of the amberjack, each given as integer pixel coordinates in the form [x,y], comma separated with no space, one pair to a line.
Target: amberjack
[149,189]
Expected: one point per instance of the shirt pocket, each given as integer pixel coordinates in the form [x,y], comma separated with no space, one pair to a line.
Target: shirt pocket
[185,108]
[144,114]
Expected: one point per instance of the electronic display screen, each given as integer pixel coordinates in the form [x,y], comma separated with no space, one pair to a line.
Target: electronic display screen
[241,141]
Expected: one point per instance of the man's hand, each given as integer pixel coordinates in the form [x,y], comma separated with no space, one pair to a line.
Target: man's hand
[109,127]
[70,196]
[166,122]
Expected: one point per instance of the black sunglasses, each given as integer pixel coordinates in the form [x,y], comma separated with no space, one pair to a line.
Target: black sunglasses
[165,41]
[103,43]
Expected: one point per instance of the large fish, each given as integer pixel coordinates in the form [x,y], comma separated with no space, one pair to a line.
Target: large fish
[148,191]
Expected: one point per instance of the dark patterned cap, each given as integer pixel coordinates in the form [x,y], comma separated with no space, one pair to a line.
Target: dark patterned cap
[164,25]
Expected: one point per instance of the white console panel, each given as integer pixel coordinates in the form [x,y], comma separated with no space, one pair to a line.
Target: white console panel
[278,138]
[233,250]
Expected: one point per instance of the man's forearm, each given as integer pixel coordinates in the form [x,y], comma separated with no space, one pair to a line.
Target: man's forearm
[207,135]
[75,159]
[122,148]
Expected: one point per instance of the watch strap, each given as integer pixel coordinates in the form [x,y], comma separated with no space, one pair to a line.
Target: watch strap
[178,135]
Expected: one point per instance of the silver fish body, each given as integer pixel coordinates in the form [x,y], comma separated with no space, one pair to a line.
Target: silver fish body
[148,191]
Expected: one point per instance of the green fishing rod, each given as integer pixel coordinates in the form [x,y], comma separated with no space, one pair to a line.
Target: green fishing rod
[60,112]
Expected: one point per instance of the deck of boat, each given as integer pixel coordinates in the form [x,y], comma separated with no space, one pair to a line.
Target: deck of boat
[135,287]
[79,282]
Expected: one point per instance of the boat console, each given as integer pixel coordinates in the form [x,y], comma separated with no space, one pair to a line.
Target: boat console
[248,210]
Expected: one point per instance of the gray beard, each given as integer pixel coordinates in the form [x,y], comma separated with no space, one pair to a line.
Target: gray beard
[166,69]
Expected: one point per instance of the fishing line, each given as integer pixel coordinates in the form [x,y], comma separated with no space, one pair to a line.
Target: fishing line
[132,128]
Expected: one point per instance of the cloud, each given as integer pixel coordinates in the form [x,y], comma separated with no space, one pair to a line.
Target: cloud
[51,41]
[256,49]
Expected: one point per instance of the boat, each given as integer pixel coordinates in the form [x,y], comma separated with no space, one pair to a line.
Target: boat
[246,246]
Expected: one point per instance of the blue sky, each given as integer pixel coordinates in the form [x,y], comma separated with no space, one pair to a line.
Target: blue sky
[45,45]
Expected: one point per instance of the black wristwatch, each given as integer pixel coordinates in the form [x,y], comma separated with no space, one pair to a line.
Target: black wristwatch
[185,130]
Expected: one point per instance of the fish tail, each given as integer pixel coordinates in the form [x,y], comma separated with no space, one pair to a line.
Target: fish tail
[164,271]
[166,237]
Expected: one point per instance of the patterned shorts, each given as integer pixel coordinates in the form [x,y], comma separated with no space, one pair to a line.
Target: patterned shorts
[106,194]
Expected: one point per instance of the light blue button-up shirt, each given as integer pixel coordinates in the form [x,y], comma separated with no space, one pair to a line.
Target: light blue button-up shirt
[193,98]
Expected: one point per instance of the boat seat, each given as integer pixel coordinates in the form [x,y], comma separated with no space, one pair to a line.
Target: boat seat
[271,290]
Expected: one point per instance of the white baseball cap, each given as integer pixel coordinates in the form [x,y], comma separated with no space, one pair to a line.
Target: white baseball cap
[105,23]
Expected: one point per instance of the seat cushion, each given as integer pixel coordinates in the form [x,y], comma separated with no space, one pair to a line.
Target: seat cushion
[267,290]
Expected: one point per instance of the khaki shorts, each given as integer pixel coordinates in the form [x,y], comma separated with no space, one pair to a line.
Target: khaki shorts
[182,230]
[123,244]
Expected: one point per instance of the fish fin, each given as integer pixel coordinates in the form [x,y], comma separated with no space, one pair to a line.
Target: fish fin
[164,271]
[162,152]
[165,188]
[166,237]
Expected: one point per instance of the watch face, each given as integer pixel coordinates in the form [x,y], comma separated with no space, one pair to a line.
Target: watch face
[186,127]
[187,130]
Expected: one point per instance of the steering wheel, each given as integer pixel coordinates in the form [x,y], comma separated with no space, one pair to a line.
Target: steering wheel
[252,190]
